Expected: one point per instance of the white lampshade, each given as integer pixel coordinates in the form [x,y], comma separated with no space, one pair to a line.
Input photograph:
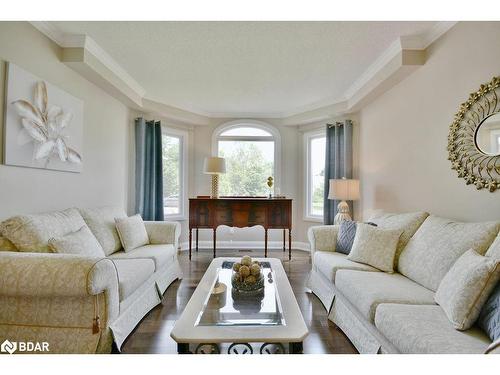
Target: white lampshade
[214,165]
[344,189]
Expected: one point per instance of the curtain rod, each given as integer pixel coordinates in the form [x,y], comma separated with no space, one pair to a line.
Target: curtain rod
[336,124]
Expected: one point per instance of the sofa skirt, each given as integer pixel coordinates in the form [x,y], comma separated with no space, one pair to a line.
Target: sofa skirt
[321,287]
[363,335]
[143,300]
[166,276]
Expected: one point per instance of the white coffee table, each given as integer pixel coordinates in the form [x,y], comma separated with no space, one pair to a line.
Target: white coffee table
[271,318]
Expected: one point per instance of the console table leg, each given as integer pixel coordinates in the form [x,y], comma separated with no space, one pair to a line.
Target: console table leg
[197,232]
[190,240]
[265,242]
[183,348]
[295,348]
[290,244]
[284,239]
[215,239]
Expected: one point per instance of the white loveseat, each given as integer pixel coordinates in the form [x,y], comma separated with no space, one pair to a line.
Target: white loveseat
[80,304]
[396,313]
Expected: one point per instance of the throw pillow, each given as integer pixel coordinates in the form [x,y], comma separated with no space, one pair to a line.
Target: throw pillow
[345,237]
[466,287]
[81,242]
[132,232]
[489,318]
[375,247]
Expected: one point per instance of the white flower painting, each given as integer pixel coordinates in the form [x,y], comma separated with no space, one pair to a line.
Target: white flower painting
[43,127]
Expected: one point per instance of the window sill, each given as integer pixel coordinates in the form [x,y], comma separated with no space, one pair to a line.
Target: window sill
[314,219]
[175,218]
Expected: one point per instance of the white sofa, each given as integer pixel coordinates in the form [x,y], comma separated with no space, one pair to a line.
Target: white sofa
[396,313]
[80,304]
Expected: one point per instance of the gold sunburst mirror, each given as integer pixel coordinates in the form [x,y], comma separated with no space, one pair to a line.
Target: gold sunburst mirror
[474,138]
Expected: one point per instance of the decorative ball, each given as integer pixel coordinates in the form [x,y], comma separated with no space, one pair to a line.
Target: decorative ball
[256,262]
[236,277]
[246,261]
[244,271]
[255,270]
[236,267]
[250,279]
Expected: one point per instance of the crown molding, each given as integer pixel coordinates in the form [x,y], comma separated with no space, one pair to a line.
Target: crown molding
[400,59]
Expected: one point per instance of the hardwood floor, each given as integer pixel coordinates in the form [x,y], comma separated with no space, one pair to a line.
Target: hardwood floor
[152,335]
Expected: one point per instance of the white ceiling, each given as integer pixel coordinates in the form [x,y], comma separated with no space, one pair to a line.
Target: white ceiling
[250,68]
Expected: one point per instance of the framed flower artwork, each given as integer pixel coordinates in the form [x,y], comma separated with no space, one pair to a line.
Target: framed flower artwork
[43,124]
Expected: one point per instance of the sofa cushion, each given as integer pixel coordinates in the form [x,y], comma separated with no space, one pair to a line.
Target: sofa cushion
[160,254]
[32,232]
[367,290]
[81,242]
[438,243]
[132,273]
[323,237]
[6,245]
[375,247]
[132,232]
[101,222]
[494,249]
[489,318]
[345,237]
[466,287]
[346,234]
[328,263]
[425,329]
[408,223]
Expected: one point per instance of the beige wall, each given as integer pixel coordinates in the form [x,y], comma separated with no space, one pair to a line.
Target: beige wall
[105,142]
[403,134]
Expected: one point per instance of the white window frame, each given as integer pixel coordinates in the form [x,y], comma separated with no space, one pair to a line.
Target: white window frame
[276,137]
[183,169]
[308,138]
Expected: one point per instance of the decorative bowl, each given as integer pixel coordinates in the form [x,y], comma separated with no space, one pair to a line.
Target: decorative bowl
[242,286]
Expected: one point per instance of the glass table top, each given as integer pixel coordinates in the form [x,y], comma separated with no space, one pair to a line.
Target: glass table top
[230,307]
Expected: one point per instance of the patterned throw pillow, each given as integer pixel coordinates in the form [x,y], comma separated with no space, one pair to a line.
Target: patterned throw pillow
[81,242]
[466,287]
[375,247]
[345,237]
[489,319]
[132,232]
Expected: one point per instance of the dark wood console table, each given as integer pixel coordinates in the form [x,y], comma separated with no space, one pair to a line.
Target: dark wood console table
[270,213]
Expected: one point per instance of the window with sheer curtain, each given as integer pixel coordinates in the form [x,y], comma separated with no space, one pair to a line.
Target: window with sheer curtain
[315,147]
[174,173]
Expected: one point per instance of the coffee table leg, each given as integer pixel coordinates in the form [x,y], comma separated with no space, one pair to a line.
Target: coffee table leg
[295,348]
[183,348]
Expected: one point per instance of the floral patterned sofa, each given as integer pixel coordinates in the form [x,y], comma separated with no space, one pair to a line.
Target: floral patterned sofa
[80,304]
[396,312]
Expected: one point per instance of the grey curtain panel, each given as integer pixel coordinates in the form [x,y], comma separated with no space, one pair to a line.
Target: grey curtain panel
[148,170]
[338,162]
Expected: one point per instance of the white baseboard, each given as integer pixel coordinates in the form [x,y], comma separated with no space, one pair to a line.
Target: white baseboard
[304,246]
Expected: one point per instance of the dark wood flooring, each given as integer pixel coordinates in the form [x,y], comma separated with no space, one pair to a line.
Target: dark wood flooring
[152,335]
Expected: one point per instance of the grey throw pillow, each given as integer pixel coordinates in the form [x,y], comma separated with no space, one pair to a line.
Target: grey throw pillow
[345,237]
[489,318]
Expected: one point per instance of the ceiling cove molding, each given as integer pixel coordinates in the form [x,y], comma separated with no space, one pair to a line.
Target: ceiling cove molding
[400,59]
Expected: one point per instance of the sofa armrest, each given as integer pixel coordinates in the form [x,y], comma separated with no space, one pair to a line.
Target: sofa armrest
[163,232]
[322,238]
[49,275]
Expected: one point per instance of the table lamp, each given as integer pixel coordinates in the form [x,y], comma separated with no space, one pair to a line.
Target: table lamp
[343,190]
[214,166]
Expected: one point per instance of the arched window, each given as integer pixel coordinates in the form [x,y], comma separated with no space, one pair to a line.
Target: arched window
[252,152]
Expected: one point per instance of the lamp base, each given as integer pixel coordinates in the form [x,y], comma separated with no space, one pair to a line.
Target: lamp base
[342,213]
[215,186]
